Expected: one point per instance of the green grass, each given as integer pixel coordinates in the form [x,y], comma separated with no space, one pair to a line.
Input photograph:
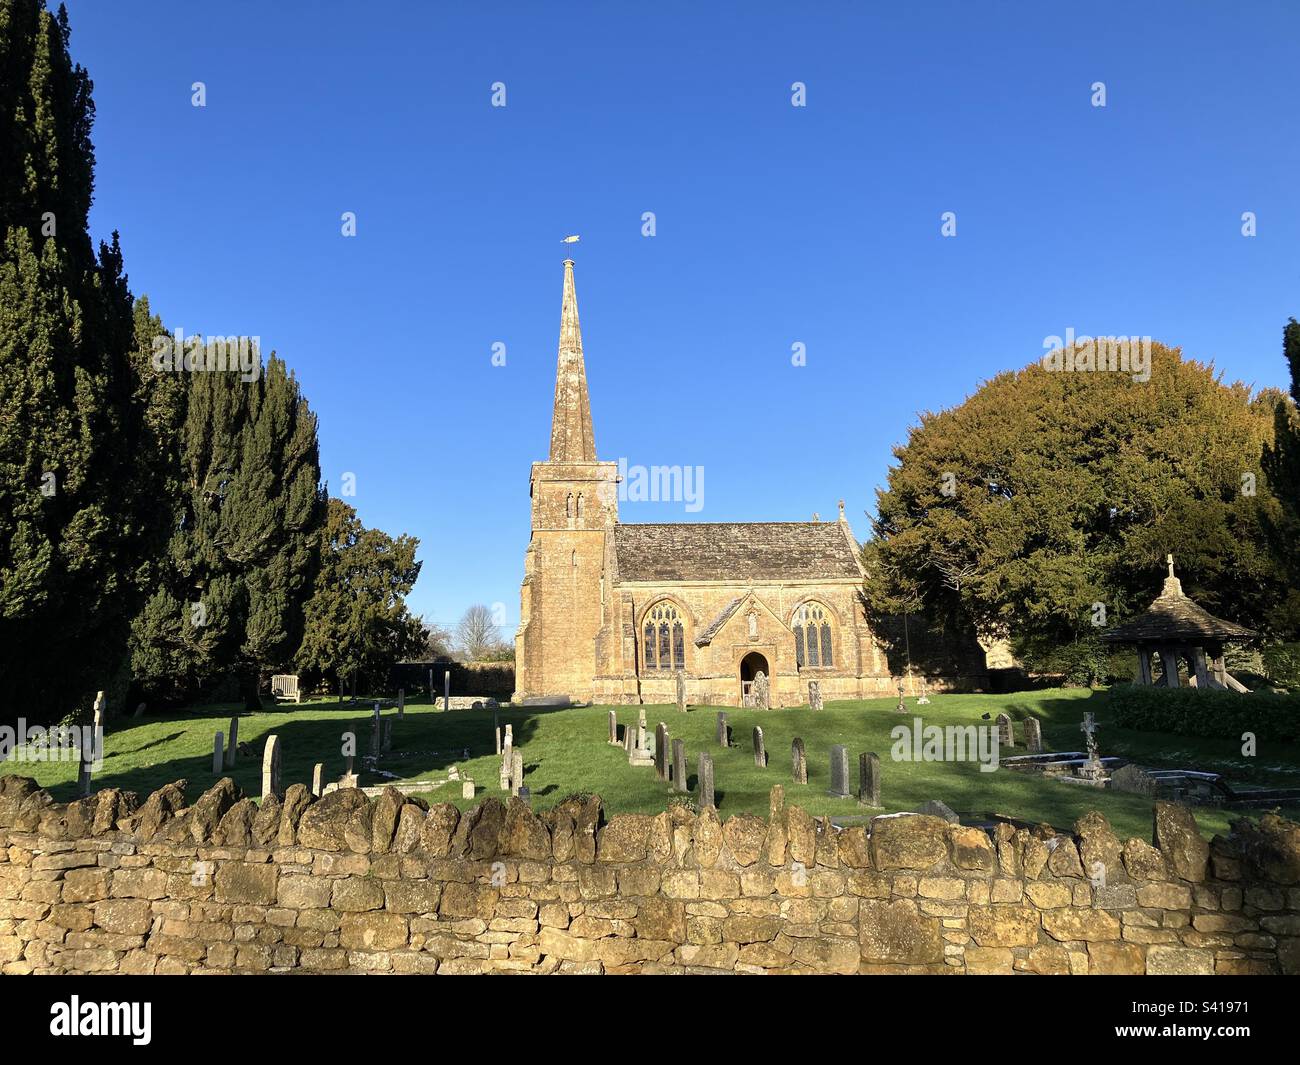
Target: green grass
[565,751]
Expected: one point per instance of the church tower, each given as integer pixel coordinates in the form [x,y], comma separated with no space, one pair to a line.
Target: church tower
[574,509]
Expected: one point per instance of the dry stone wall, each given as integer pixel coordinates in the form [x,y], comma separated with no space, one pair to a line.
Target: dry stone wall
[347,883]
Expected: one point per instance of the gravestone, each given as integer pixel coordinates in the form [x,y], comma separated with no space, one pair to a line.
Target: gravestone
[679,766]
[350,778]
[924,700]
[510,735]
[869,779]
[507,764]
[271,768]
[760,752]
[640,730]
[516,772]
[613,728]
[1006,734]
[814,695]
[762,692]
[446,691]
[232,745]
[839,771]
[722,733]
[388,735]
[798,762]
[401,702]
[705,780]
[661,751]
[218,755]
[376,742]
[433,696]
[139,710]
[317,779]
[496,735]
[467,788]
[681,691]
[937,808]
[629,739]
[1034,735]
[902,706]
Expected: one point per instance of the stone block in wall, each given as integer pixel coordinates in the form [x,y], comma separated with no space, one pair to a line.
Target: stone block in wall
[896,931]
[1174,831]
[913,841]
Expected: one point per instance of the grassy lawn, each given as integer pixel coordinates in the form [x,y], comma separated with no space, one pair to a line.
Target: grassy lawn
[565,751]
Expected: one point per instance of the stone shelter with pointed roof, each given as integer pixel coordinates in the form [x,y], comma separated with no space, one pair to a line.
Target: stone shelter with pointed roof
[1175,628]
[611,611]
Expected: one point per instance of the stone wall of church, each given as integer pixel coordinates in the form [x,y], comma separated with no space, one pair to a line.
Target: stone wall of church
[350,884]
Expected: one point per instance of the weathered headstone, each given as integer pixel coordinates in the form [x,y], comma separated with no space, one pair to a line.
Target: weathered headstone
[467,788]
[376,734]
[218,754]
[401,702]
[446,690]
[902,706]
[516,772]
[722,734]
[509,741]
[629,739]
[496,735]
[433,695]
[661,751]
[388,735]
[762,692]
[525,793]
[232,743]
[681,691]
[869,779]
[760,751]
[798,762]
[705,780]
[139,710]
[613,728]
[640,729]
[814,695]
[271,767]
[1034,735]
[318,779]
[840,771]
[507,764]
[679,766]
[1006,734]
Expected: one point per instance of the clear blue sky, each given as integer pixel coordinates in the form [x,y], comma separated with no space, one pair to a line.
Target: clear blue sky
[775,224]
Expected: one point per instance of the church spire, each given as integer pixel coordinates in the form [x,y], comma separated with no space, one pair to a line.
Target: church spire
[571,435]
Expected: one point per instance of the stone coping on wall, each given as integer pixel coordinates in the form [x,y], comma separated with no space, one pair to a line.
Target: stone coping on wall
[347,883]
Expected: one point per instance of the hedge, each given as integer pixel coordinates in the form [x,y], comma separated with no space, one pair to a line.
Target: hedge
[1189,712]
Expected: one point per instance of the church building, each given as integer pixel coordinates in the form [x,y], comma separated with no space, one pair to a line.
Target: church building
[610,612]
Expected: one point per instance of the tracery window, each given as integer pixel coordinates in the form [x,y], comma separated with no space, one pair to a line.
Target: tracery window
[664,646]
[813,646]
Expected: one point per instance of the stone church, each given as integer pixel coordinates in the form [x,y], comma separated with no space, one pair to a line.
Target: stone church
[610,612]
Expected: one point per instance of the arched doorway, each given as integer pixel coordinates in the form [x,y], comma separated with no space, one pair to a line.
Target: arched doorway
[751,664]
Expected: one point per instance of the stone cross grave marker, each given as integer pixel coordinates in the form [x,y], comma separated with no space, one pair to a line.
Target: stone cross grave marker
[798,762]
[1006,732]
[271,767]
[661,751]
[679,766]
[218,754]
[232,744]
[760,751]
[840,771]
[705,780]
[814,695]
[722,732]
[1034,735]
[762,692]
[869,779]
[681,691]
[902,706]
[925,697]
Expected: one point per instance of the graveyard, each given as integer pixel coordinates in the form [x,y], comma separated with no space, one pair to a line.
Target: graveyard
[567,751]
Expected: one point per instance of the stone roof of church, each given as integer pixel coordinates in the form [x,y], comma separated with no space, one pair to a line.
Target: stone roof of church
[735,551]
[1172,616]
[706,637]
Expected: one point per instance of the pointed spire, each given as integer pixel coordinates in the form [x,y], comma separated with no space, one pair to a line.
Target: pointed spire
[571,435]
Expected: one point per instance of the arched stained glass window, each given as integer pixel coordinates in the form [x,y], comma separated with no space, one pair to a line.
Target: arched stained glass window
[813,645]
[664,646]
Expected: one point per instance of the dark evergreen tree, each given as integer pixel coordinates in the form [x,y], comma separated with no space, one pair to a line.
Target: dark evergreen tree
[357,619]
[73,535]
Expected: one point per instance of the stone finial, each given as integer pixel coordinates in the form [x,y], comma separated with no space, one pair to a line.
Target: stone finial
[1173,588]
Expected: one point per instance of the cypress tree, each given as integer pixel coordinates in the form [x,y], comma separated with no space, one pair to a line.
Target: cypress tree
[72,531]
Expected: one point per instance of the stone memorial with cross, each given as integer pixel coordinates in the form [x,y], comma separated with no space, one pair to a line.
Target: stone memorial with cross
[1092,769]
